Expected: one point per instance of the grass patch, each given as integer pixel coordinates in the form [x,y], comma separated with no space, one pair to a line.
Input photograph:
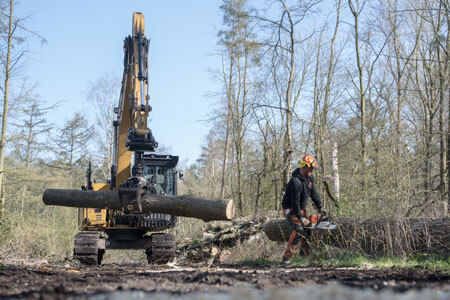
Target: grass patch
[351,259]
[258,262]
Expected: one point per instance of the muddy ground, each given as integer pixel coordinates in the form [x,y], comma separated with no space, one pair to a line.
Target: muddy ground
[69,280]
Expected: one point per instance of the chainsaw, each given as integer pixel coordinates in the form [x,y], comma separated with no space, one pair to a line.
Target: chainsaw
[318,222]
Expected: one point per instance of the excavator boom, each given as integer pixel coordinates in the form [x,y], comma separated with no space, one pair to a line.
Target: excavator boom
[132,135]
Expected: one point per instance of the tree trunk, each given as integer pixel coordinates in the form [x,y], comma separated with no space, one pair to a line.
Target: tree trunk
[443,143]
[263,173]
[443,80]
[239,177]
[331,67]
[184,206]
[335,169]
[5,112]
[385,236]
[317,119]
[355,12]
[227,135]
[447,91]
[289,107]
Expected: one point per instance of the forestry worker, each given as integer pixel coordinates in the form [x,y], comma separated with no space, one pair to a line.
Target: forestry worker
[298,190]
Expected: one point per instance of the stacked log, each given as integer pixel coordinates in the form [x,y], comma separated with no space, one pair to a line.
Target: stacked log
[220,236]
[381,236]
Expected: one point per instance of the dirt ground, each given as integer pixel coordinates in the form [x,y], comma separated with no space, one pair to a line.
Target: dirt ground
[43,281]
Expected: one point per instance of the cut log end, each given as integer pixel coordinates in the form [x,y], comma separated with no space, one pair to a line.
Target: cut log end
[214,251]
[230,210]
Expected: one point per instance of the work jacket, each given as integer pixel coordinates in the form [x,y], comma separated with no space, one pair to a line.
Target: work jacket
[298,190]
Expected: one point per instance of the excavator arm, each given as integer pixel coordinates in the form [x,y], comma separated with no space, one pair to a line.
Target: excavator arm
[132,136]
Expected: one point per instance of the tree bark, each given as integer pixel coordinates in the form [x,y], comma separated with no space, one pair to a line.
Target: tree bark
[443,80]
[227,135]
[184,206]
[385,236]
[447,91]
[335,169]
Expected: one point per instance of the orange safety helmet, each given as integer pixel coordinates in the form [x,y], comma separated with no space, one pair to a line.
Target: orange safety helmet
[309,161]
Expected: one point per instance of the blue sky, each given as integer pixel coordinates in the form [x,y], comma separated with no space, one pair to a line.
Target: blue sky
[85,40]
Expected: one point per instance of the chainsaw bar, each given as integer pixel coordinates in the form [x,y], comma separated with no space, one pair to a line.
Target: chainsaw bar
[323,226]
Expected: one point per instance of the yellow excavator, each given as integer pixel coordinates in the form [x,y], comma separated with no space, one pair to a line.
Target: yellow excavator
[136,170]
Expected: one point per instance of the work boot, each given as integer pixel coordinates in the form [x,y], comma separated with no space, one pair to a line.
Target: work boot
[304,247]
[285,261]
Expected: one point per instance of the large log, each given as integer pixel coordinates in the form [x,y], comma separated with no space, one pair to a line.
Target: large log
[385,236]
[185,206]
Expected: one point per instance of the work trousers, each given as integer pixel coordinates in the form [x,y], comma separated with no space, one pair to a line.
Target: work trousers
[297,239]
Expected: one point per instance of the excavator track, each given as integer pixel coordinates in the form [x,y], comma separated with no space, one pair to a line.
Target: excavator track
[162,249]
[89,248]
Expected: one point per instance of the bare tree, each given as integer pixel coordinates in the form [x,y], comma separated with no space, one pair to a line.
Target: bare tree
[231,19]
[5,108]
[238,50]
[284,42]
[10,63]
[356,11]
[322,91]
[30,127]
[30,124]
[103,94]
[71,141]
[444,88]
[442,49]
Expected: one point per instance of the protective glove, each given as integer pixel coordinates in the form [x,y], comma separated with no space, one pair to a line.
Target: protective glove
[322,212]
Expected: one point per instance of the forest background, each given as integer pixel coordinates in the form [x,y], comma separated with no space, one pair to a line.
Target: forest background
[361,85]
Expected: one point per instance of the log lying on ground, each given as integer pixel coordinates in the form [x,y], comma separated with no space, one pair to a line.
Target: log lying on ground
[220,236]
[185,206]
[377,236]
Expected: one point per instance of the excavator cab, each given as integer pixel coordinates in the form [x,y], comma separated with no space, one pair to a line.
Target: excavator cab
[160,171]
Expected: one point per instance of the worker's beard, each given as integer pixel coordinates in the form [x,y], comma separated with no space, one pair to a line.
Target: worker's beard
[305,172]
